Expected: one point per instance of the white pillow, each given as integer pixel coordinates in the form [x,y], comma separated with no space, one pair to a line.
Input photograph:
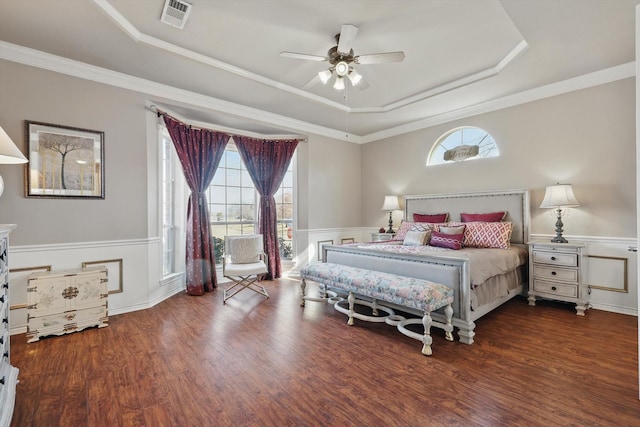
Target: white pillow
[416,238]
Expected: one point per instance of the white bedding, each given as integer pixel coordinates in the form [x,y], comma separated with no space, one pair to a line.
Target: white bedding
[483,263]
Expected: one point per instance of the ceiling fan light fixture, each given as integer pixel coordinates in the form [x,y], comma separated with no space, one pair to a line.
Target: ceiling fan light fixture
[339,84]
[354,77]
[342,68]
[324,76]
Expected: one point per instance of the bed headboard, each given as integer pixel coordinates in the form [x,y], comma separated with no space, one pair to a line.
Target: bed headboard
[514,202]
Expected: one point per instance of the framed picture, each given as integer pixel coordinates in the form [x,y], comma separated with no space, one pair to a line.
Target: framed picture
[64,162]
[114,273]
[347,240]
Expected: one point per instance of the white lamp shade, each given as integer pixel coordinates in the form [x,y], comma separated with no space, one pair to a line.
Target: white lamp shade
[391,203]
[9,153]
[339,84]
[355,77]
[559,196]
[324,76]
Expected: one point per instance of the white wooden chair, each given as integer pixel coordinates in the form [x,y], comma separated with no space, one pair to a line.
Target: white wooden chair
[244,264]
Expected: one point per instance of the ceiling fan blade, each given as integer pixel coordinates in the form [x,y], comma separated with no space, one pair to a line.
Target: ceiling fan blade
[347,36]
[314,81]
[380,58]
[303,56]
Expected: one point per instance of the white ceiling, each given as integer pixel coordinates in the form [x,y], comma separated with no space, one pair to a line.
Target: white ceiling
[225,68]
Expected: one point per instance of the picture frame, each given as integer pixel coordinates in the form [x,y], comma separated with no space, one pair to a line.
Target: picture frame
[64,162]
[607,270]
[345,240]
[114,271]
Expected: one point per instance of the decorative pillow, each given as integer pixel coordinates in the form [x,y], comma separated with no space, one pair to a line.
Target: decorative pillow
[450,241]
[402,231]
[443,217]
[422,226]
[451,228]
[416,238]
[245,250]
[488,234]
[483,217]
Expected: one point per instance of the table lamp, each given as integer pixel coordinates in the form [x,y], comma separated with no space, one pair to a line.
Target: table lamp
[390,204]
[9,154]
[557,197]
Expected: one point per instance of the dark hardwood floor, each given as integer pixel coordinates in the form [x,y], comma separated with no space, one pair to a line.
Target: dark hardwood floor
[192,361]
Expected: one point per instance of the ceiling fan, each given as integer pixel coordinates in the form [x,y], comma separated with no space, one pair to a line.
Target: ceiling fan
[342,59]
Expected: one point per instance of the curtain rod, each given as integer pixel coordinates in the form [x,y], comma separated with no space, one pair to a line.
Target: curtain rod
[232,132]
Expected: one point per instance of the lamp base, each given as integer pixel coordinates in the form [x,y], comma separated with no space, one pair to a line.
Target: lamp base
[390,230]
[559,225]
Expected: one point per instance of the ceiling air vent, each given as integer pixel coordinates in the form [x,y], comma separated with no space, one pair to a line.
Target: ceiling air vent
[175,13]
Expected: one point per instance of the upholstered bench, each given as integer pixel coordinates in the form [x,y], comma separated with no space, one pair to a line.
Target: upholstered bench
[402,291]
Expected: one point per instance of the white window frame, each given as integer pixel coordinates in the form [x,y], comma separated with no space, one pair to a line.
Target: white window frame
[485,146]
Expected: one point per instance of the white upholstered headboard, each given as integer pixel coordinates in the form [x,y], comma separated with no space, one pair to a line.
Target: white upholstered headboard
[514,202]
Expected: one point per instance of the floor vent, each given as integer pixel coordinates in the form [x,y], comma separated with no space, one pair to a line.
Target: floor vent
[175,13]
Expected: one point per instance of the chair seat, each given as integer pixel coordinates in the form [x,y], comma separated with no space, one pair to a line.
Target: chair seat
[245,269]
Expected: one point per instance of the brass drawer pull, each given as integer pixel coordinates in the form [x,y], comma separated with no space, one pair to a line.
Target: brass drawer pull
[70,292]
[70,316]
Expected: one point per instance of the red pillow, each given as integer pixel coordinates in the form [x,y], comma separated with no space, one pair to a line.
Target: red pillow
[482,217]
[449,241]
[418,217]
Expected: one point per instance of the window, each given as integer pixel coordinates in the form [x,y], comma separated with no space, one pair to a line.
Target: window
[168,203]
[460,144]
[234,202]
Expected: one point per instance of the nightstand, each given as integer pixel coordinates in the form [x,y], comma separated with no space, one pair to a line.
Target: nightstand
[382,237]
[558,271]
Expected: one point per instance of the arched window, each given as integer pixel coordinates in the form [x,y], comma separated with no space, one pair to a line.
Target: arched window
[463,143]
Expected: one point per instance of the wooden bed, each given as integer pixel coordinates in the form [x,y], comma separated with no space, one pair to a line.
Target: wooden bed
[448,269]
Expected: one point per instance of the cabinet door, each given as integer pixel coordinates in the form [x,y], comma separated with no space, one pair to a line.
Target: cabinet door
[47,295]
[89,286]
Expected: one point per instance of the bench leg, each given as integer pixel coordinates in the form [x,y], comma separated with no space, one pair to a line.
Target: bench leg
[374,307]
[426,339]
[448,328]
[352,301]
[303,286]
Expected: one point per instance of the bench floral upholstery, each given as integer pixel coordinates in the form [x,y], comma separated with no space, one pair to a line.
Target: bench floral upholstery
[410,292]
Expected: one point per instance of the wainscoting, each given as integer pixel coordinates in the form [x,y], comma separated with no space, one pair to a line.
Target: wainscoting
[612,268]
[134,266]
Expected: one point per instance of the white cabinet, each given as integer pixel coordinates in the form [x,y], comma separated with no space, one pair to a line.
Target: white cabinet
[61,302]
[8,373]
[558,271]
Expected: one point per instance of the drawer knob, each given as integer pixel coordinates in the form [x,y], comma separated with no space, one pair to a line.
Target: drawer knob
[553,288]
[70,316]
[70,292]
[553,258]
[553,273]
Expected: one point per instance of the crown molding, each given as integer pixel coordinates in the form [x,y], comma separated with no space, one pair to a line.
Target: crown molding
[58,64]
[585,81]
[140,37]
[39,59]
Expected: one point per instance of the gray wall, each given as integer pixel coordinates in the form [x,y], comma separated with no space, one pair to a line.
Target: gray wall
[328,171]
[585,138]
[33,94]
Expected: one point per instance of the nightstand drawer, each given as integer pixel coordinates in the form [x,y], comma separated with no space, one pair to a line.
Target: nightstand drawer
[552,273]
[559,289]
[555,258]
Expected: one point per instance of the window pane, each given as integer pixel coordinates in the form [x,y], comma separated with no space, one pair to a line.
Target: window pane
[248,196]
[233,177]
[233,159]
[248,212]
[233,213]
[246,179]
[216,194]
[233,195]
[287,181]
[219,177]
[216,212]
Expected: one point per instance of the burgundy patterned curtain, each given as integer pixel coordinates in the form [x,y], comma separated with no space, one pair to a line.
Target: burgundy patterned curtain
[199,151]
[267,162]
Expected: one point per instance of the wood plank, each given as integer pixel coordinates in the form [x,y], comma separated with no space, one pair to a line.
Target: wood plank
[194,361]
